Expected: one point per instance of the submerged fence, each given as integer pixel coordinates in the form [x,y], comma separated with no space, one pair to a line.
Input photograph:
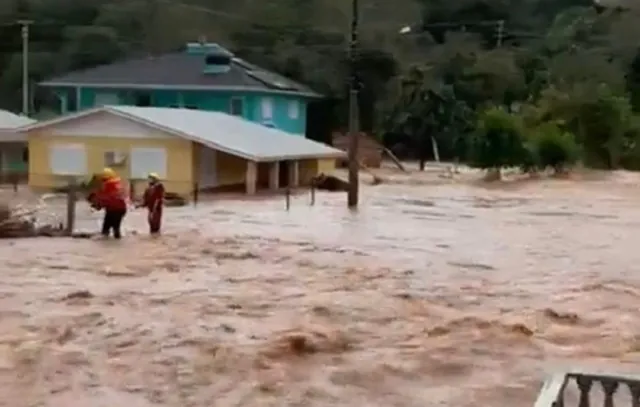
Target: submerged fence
[584,389]
[312,195]
[76,189]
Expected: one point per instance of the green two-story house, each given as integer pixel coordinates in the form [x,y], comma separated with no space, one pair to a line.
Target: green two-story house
[204,76]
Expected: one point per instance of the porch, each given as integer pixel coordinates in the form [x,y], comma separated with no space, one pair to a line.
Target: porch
[217,171]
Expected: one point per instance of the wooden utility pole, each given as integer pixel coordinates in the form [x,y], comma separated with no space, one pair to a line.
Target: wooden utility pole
[25,64]
[354,128]
[71,206]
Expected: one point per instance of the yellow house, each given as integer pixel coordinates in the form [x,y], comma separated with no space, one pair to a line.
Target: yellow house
[189,149]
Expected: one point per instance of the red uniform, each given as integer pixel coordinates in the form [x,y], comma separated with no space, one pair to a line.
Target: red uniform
[110,196]
[153,200]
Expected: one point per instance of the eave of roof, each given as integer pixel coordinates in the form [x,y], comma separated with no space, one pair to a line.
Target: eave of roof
[61,84]
[181,71]
[168,130]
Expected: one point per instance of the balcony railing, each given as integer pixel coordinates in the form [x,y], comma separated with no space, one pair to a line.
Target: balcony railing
[585,389]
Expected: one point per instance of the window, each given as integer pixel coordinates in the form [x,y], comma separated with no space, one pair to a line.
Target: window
[68,159]
[146,160]
[25,155]
[267,109]
[237,107]
[217,60]
[294,109]
[143,99]
[106,99]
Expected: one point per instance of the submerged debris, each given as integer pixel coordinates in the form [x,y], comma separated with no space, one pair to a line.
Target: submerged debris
[330,183]
[21,221]
[307,342]
[174,200]
[81,294]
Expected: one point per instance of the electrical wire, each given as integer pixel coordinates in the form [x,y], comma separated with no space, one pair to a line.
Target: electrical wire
[423,29]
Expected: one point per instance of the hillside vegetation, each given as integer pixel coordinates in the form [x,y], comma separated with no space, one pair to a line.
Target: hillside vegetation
[555,77]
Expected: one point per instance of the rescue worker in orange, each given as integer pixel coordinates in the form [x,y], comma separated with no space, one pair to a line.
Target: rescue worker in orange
[111,197]
[153,200]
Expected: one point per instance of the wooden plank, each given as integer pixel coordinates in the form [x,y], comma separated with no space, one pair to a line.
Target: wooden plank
[394,159]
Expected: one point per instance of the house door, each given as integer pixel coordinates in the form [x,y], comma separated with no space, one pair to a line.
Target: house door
[284,174]
[208,170]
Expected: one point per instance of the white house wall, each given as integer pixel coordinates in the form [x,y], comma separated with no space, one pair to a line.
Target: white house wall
[103,124]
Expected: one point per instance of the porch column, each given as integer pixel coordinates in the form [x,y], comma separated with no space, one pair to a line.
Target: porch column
[274,175]
[251,177]
[78,99]
[294,174]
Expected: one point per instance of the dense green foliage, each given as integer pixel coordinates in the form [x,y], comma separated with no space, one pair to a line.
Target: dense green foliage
[552,147]
[533,83]
[499,140]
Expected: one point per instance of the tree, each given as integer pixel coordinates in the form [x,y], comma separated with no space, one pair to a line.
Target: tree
[552,147]
[554,57]
[499,141]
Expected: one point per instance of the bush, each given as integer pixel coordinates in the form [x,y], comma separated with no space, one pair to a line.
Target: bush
[630,159]
[530,162]
[498,141]
[554,148]
[603,123]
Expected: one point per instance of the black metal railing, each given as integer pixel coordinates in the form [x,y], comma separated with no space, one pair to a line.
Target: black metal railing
[587,389]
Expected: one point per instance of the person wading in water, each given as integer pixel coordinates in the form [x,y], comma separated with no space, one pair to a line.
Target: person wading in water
[110,197]
[153,200]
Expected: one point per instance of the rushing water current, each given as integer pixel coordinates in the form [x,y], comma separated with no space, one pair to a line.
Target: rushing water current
[432,294]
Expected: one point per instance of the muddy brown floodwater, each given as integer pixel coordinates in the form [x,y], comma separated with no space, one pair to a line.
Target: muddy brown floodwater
[435,293]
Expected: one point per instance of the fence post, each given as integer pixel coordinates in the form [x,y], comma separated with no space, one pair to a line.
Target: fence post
[71,206]
[14,182]
[287,197]
[132,190]
[313,192]
[196,193]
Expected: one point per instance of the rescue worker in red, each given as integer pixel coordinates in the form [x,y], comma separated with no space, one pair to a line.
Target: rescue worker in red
[153,200]
[111,197]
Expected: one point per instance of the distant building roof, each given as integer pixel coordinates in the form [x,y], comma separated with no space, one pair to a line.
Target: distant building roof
[181,70]
[11,121]
[220,131]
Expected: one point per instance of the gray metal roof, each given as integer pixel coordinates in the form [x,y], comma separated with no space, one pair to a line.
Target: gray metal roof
[180,70]
[220,131]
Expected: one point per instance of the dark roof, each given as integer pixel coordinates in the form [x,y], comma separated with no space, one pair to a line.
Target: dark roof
[179,70]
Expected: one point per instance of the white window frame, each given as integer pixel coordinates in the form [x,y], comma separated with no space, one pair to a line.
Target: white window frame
[68,159]
[145,160]
[241,104]
[266,108]
[294,109]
